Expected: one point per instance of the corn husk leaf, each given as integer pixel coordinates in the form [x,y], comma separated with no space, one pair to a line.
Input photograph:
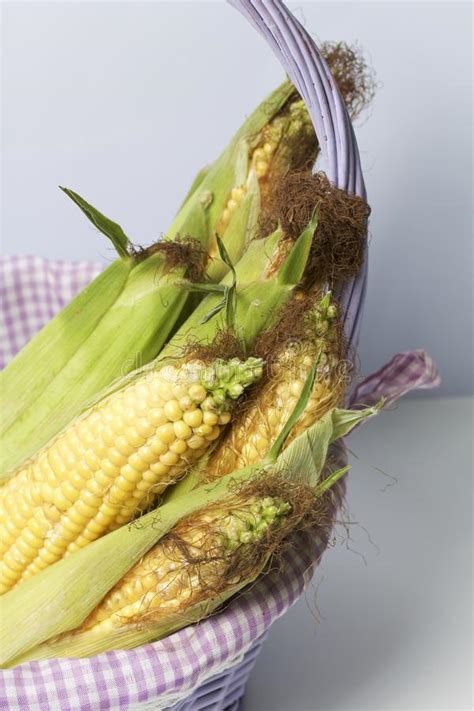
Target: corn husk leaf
[297,411]
[311,447]
[108,227]
[230,170]
[257,298]
[196,184]
[242,228]
[39,361]
[86,644]
[292,270]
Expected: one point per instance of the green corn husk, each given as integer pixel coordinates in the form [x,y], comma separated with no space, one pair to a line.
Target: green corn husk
[122,319]
[281,119]
[259,291]
[59,598]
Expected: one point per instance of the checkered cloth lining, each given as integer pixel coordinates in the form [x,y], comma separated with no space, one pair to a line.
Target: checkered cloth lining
[32,290]
[162,674]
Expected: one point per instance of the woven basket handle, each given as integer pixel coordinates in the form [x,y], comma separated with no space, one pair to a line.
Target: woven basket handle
[307,69]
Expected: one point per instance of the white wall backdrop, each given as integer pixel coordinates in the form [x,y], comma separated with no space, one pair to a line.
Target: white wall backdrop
[124,101]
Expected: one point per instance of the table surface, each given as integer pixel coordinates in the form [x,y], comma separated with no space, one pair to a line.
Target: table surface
[388,621]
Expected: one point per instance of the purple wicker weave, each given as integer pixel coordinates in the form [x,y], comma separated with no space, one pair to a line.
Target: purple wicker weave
[223,692]
[307,69]
[205,667]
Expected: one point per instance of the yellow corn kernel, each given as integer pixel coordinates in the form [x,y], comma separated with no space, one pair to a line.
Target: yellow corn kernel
[182,430]
[173,411]
[193,418]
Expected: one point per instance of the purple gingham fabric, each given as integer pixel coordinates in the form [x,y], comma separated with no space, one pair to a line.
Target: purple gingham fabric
[32,290]
[414,370]
[165,673]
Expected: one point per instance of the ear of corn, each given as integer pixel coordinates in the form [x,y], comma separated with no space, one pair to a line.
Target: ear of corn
[287,142]
[183,578]
[251,438]
[64,593]
[226,179]
[174,573]
[62,596]
[113,461]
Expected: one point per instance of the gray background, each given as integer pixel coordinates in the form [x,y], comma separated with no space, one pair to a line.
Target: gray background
[386,624]
[123,102]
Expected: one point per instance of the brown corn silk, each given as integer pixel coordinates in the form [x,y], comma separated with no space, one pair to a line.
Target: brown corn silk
[288,143]
[185,252]
[338,248]
[354,77]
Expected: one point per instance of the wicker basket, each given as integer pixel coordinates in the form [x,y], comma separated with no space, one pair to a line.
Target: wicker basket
[206,667]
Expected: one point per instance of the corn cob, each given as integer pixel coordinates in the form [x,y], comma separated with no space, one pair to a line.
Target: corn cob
[206,558]
[250,438]
[192,561]
[113,461]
